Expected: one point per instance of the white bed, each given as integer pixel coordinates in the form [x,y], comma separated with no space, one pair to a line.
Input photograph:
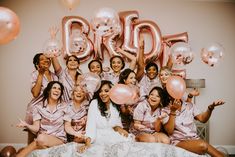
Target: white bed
[122,149]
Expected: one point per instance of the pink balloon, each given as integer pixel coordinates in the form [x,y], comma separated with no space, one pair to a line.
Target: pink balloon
[175,86]
[128,18]
[8,151]
[156,35]
[76,40]
[122,94]
[212,53]
[9,25]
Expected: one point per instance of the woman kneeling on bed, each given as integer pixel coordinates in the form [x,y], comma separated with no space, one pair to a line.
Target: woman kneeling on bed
[48,121]
[181,128]
[76,116]
[147,118]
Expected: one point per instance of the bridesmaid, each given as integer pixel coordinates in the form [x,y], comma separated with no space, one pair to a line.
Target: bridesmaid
[76,117]
[48,121]
[39,80]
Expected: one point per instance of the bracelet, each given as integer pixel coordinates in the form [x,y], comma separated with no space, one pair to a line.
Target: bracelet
[210,107]
[173,114]
[190,96]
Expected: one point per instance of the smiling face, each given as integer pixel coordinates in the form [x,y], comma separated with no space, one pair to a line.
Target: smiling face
[104,94]
[154,99]
[95,67]
[116,64]
[131,79]
[152,72]
[55,91]
[79,94]
[72,63]
[164,75]
[44,62]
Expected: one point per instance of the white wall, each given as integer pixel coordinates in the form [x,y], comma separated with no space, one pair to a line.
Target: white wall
[204,21]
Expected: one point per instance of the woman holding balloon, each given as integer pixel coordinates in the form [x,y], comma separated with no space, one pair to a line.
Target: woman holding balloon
[128,77]
[165,74]
[103,121]
[179,122]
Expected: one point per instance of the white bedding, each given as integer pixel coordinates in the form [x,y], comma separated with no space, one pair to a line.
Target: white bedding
[122,149]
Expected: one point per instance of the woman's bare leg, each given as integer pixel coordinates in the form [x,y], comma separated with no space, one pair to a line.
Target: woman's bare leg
[200,147]
[161,138]
[144,137]
[46,141]
[32,146]
[195,146]
[214,152]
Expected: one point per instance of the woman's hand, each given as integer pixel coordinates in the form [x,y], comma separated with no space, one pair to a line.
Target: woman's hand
[194,92]
[139,126]
[53,31]
[215,104]
[175,105]
[121,131]
[22,124]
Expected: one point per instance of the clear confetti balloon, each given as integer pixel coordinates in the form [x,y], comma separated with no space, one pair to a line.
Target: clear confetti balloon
[212,53]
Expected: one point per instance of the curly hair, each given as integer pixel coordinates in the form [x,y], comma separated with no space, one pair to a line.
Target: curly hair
[101,105]
[151,64]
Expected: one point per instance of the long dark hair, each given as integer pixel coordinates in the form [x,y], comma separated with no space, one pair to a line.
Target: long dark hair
[78,61]
[162,94]
[46,91]
[124,75]
[101,104]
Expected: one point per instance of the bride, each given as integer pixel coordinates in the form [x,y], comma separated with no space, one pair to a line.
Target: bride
[104,121]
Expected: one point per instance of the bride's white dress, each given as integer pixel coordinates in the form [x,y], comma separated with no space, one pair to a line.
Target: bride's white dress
[100,128]
[108,143]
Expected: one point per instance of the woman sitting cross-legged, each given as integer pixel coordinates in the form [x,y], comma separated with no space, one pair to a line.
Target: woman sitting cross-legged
[48,121]
[180,126]
[76,117]
[147,118]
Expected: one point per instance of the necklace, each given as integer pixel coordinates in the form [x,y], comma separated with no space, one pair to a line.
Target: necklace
[108,114]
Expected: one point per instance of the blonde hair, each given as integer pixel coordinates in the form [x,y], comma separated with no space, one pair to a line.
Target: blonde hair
[167,69]
[84,89]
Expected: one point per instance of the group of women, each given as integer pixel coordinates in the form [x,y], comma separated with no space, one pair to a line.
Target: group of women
[63,110]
